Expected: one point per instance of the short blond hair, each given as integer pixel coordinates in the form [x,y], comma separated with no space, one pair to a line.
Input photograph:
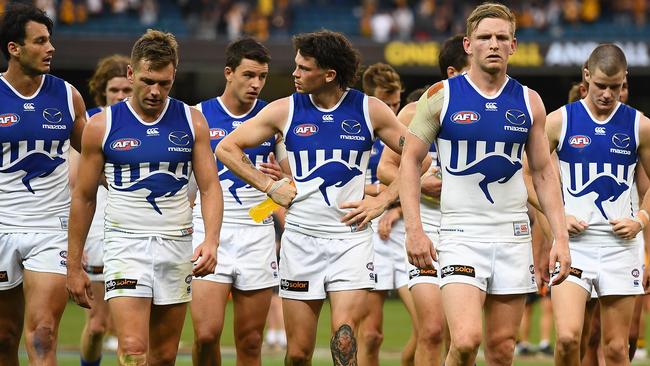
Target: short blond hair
[381,75]
[159,48]
[490,10]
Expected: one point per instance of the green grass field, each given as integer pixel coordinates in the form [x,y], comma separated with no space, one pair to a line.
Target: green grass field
[396,328]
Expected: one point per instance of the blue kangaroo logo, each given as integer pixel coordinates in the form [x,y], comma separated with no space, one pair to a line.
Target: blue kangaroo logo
[606,187]
[159,184]
[333,173]
[35,164]
[237,183]
[494,168]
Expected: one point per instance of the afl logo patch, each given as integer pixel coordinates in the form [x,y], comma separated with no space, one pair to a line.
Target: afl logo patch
[305,129]
[217,133]
[579,141]
[9,119]
[465,117]
[125,144]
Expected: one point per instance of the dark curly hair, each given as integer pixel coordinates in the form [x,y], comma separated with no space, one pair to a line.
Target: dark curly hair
[331,50]
[13,21]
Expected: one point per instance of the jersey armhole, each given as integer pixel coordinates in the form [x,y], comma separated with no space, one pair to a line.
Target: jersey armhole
[528,107]
[188,116]
[287,125]
[445,103]
[565,122]
[637,120]
[68,92]
[366,116]
[109,123]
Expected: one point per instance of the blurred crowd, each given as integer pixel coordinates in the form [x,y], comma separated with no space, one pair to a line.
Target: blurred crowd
[379,20]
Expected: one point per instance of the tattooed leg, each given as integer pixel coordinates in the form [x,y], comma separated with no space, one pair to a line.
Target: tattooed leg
[344,347]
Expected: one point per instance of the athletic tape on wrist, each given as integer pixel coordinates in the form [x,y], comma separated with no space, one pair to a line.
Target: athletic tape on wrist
[276,185]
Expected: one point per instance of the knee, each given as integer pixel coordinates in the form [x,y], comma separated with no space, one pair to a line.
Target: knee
[43,338]
[502,348]
[207,335]
[96,328]
[430,335]
[567,343]
[250,344]
[297,357]
[9,339]
[372,339]
[163,357]
[466,344]
[616,350]
[132,346]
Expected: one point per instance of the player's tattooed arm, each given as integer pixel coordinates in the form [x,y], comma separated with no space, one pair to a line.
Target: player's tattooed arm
[344,347]
[402,139]
[246,160]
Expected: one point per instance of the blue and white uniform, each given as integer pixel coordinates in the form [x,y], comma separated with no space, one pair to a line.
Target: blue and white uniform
[35,135]
[94,248]
[484,230]
[148,247]
[246,254]
[328,151]
[597,165]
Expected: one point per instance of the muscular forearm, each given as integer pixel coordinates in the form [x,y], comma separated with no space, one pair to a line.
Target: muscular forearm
[212,211]
[550,199]
[81,215]
[410,194]
[238,162]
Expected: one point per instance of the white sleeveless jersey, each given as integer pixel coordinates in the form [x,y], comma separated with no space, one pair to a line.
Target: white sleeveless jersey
[597,164]
[35,139]
[97,225]
[238,196]
[148,166]
[480,146]
[328,151]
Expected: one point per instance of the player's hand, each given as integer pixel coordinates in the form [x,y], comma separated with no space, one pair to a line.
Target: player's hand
[625,228]
[420,250]
[542,269]
[282,192]
[361,212]
[431,184]
[78,286]
[272,168]
[575,226]
[204,259]
[560,261]
[386,222]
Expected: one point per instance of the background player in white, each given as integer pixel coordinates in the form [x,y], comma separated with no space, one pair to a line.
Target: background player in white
[484,248]
[42,116]
[326,248]
[424,282]
[603,247]
[383,82]
[108,85]
[247,264]
[147,148]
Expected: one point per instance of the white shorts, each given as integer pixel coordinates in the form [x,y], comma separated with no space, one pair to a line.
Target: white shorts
[148,267]
[496,268]
[605,271]
[246,256]
[390,259]
[38,252]
[425,275]
[310,266]
[94,252]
